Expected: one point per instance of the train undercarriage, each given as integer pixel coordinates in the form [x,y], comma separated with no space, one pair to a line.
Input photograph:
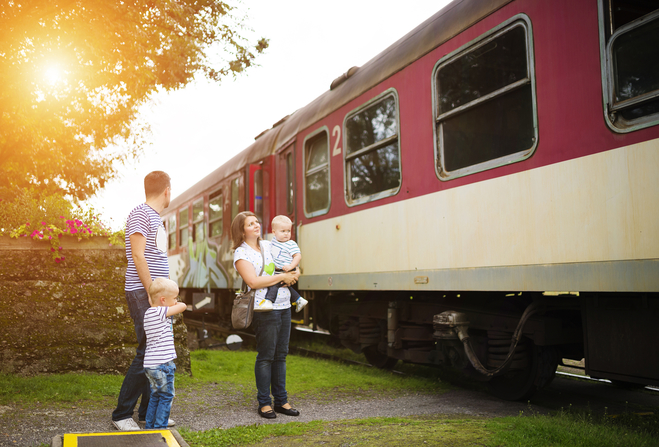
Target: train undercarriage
[512,341]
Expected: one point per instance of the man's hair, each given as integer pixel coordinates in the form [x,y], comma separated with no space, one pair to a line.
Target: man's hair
[281,220]
[155,183]
[162,287]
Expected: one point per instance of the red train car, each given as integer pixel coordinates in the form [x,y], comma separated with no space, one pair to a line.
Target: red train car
[482,195]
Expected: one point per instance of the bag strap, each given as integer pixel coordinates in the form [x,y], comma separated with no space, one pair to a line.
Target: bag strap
[243,287]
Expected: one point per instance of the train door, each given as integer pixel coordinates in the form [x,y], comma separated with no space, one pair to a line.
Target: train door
[285,185]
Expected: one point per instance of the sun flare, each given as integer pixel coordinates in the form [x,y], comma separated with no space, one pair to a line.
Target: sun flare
[53,75]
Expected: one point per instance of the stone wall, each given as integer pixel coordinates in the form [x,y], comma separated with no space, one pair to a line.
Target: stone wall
[68,316]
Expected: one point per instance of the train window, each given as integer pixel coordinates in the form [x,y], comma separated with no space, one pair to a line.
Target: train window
[198,225]
[171,231]
[316,173]
[484,102]
[290,186]
[215,217]
[629,43]
[235,197]
[183,227]
[372,155]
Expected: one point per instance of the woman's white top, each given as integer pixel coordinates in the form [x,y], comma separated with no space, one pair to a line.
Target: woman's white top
[254,257]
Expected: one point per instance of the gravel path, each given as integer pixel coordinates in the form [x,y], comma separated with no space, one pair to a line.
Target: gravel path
[203,410]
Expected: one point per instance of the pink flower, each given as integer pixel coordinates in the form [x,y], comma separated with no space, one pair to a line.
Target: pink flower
[43,223]
[62,217]
[57,260]
[50,237]
[27,223]
[59,248]
[52,249]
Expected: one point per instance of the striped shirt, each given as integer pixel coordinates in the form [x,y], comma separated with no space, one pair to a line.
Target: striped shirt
[146,221]
[282,252]
[159,337]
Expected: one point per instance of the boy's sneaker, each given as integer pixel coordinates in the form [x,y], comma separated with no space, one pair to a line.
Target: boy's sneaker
[300,303]
[263,305]
[170,422]
[126,425]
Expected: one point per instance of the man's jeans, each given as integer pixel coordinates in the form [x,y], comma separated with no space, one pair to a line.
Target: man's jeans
[135,383]
[161,378]
[273,331]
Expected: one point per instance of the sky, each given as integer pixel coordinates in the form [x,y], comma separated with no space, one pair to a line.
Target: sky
[198,128]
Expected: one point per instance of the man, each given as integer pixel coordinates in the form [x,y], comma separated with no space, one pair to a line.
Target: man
[146,250]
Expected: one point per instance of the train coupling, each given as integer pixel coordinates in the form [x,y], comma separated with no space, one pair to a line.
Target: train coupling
[450,325]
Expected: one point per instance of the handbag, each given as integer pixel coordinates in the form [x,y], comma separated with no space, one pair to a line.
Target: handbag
[242,311]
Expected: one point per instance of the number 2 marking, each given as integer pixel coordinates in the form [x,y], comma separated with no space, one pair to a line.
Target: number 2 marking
[336,131]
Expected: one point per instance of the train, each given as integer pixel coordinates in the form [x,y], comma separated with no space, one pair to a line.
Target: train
[481,196]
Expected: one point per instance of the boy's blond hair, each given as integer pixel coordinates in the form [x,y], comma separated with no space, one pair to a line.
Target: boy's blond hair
[281,220]
[162,287]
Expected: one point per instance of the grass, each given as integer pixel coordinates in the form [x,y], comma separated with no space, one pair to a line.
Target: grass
[576,429]
[233,373]
[367,432]
[308,377]
[58,388]
[563,429]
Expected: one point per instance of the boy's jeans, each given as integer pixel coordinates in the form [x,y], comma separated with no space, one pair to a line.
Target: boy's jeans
[271,293]
[161,378]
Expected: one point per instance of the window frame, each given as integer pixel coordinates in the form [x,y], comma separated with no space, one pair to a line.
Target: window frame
[171,231]
[608,81]
[373,147]
[290,182]
[181,226]
[518,20]
[311,136]
[198,222]
[235,182]
[213,195]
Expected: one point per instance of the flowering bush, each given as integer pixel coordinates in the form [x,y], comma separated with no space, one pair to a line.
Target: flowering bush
[57,218]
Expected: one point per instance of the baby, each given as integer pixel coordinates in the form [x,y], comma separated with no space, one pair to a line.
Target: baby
[160,353]
[287,256]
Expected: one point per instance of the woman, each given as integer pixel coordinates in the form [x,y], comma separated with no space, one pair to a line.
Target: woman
[272,329]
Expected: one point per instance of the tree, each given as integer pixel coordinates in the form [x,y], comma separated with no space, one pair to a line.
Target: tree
[73,74]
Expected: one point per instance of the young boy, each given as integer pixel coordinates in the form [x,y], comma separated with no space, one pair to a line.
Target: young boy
[159,357]
[287,256]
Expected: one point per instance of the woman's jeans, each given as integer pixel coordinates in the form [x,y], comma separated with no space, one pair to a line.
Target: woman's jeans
[273,331]
[135,383]
[161,378]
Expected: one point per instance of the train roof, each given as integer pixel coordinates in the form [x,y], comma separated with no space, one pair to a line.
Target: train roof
[445,24]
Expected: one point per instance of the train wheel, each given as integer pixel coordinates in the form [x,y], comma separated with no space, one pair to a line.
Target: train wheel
[521,384]
[378,359]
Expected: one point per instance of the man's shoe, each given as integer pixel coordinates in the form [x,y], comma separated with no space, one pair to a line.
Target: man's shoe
[170,422]
[300,304]
[267,414]
[263,305]
[287,411]
[126,425]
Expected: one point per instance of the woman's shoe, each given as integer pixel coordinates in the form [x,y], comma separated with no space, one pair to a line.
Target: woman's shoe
[287,411]
[267,414]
